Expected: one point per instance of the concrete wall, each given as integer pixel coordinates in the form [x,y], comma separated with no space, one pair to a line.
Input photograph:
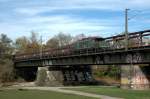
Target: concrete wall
[71,75]
[135,77]
[49,78]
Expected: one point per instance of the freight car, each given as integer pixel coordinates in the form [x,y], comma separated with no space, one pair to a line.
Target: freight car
[89,45]
[91,42]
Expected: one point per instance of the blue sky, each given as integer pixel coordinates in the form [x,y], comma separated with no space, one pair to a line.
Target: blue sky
[91,17]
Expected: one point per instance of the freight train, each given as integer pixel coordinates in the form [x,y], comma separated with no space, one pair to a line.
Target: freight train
[89,45]
[79,47]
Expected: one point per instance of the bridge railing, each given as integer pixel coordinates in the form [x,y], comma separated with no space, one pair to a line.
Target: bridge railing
[135,39]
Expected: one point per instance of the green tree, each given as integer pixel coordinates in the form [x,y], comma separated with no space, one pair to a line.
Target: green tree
[6,47]
[6,64]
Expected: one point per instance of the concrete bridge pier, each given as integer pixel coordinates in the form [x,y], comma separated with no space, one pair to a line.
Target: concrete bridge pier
[46,77]
[64,75]
[135,77]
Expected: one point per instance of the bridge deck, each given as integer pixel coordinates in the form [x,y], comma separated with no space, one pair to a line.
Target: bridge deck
[86,52]
[139,55]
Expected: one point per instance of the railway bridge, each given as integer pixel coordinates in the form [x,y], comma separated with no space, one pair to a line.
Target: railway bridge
[75,67]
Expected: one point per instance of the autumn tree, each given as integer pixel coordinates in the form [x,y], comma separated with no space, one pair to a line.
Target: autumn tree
[34,44]
[21,44]
[79,37]
[59,40]
[52,43]
[28,44]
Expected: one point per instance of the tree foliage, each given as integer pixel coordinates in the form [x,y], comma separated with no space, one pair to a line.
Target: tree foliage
[59,40]
[28,44]
[111,71]
[21,44]
[79,37]
[6,64]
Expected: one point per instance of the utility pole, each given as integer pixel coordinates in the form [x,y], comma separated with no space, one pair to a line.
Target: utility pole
[126,29]
[127,45]
[41,47]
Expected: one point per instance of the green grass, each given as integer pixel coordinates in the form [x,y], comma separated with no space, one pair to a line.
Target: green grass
[116,92]
[37,94]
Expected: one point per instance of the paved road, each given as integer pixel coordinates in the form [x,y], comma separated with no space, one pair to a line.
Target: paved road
[59,89]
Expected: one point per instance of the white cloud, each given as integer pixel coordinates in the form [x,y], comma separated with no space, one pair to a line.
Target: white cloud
[64,23]
[82,4]
[51,25]
[26,16]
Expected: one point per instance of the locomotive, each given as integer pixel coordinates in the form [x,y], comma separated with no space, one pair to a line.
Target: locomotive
[90,42]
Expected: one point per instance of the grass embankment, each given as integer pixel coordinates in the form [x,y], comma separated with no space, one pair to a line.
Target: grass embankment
[115,92]
[37,94]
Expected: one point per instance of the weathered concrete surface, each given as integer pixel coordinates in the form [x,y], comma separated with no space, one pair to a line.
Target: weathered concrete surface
[50,76]
[135,77]
[125,76]
[45,77]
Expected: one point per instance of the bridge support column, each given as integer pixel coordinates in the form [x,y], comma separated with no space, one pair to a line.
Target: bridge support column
[77,75]
[135,77]
[46,77]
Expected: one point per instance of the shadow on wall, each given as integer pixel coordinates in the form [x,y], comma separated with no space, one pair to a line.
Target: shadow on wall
[65,75]
[27,73]
[146,74]
[53,76]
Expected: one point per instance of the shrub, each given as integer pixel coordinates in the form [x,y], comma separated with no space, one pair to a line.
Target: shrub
[6,71]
